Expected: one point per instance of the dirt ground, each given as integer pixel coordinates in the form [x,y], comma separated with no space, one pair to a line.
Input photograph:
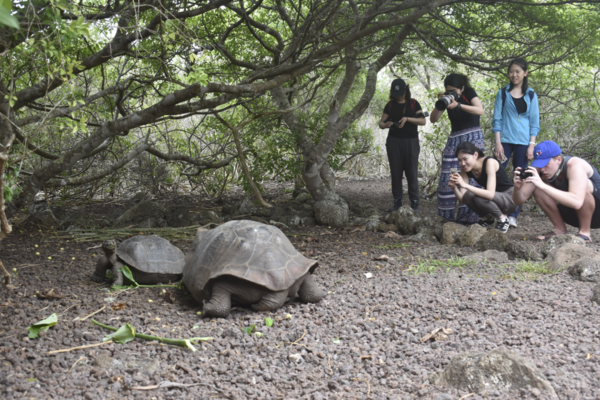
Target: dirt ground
[362,341]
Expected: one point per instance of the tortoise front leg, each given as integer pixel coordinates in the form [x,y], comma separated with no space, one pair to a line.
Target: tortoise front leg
[102,266]
[271,301]
[220,301]
[117,273]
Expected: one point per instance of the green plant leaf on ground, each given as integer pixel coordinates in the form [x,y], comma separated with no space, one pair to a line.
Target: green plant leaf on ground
[124,334]
[268,322]
[336,340]
[127,274]
[42,326]
[249,329]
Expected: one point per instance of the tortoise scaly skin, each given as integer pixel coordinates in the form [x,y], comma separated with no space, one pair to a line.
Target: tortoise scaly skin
[247,263]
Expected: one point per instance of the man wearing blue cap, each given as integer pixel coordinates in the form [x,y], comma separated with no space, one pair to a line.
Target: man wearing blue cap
[566,188]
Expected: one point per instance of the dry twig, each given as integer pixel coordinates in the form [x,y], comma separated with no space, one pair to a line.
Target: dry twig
[87,346]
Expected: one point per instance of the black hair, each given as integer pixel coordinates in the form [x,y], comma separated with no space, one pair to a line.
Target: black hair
[406,97]
[469,148]
[521,62]
[457,81]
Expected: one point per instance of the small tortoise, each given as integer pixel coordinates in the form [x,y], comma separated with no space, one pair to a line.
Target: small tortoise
[151,260]
[247,263]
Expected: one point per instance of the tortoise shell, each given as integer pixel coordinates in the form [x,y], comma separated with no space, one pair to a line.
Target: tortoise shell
[151,254]
[248,250]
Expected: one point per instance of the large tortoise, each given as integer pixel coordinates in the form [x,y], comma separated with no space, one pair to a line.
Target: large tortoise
[151,260]
[247,263]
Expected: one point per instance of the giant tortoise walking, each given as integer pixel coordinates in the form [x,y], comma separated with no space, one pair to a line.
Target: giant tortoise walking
[151,260]
[247,263]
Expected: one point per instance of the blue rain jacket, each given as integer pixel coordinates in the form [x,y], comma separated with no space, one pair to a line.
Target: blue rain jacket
[513,127]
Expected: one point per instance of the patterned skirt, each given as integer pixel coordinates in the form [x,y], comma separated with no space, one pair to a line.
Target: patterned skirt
[445,195]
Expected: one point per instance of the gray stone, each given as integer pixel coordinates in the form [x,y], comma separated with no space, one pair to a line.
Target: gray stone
[558,241]
[443,396]
[569,254]
[178,216]
[493,240]
[471,236]
[303,197]
[491,256]
[587,270]
[333,211]
[206,217]
[152,223]
[249,207]
[406,221]
[451,232]
[308,221]
[142,211]
[499,369]
[424,236]
[147,366]
[383,227]
[596,294]
[291,220]
[523,250]
[42,215]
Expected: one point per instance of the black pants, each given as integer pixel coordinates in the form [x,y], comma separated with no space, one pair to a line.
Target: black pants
[403,155]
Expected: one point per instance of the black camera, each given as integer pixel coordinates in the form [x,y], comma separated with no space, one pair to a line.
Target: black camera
[524,174]
[445,101]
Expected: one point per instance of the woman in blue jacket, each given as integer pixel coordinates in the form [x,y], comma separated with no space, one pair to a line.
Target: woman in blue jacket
[516,121]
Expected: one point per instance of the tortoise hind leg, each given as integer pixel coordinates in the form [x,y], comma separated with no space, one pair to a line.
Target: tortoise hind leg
[309,291]
[220,301]
[271,301]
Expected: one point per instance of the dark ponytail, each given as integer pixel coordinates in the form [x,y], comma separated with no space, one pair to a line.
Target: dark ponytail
[457,81]
[521,62]
[468,148]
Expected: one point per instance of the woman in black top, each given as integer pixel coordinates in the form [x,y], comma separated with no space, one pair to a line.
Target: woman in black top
[494,198]
[464,114]
[402,115]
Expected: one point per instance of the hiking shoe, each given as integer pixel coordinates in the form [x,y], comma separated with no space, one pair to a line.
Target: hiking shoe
[396,206]
[485,222]
[414,204]
[512,221]
[502,225]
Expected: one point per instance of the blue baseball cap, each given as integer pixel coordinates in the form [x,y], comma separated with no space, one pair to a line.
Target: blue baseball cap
[543,152]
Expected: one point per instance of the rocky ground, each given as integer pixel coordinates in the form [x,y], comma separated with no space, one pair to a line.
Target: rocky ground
[364,340]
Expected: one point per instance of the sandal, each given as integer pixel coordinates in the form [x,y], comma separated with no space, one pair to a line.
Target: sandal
[546,236]
[586,239]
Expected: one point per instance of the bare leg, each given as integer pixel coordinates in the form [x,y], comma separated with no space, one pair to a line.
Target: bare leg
[220,301]
[117,273]
[548,206]
[309,291]
[271,301]
[585,214]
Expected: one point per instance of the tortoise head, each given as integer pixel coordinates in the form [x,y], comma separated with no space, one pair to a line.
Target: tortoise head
[109,247]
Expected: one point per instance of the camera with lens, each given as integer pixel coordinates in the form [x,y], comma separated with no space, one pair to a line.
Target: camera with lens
[524,174]
[446,100]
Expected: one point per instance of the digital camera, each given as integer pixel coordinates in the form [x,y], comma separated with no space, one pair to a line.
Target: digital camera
[524,174]
[445,101]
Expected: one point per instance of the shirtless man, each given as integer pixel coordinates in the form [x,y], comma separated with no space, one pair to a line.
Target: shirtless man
[566,188]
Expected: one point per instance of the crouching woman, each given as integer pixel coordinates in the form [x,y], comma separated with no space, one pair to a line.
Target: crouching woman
[494,200]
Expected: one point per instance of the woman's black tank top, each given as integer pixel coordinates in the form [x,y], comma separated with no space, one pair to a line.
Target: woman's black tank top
[503,182]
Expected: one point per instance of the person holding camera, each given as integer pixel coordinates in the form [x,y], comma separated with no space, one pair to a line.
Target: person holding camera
[464,109]
[401,115]
[566,188]
[495,197]
[516,121]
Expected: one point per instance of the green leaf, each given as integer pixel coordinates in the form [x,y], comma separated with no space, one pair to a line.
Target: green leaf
[336,340]
[249,329]
[268,322]
[124,334]
[128,275]
[6,18]
[42,326]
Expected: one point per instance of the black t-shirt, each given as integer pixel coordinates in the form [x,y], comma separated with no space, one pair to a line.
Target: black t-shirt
[520,104]
[461,119]
[503,182]
[395,112]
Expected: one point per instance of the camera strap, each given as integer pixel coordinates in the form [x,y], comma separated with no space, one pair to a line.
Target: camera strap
[558,172]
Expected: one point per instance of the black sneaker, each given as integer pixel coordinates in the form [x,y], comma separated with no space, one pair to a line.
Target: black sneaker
[502,225]
[414,204]
[396,206]
[485,222]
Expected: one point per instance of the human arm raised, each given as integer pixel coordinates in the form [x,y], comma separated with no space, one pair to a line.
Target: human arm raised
[489,192]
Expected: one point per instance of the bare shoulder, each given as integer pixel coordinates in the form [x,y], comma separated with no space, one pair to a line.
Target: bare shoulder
[577,166]
[492,165]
